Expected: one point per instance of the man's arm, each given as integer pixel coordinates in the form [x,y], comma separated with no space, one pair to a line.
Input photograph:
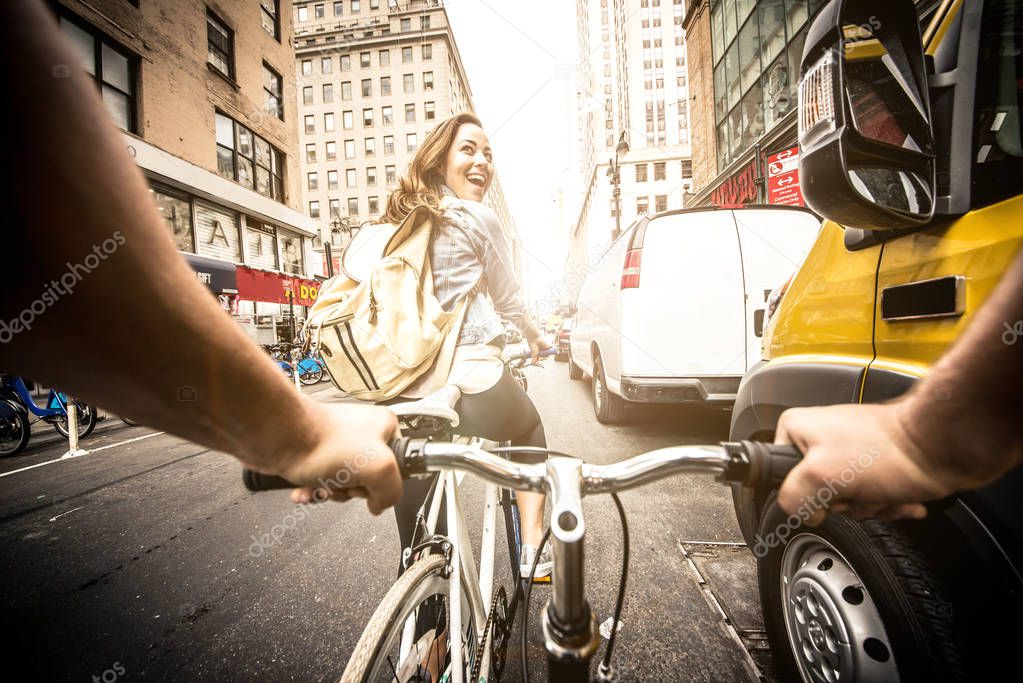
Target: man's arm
[99,303]
[957,428]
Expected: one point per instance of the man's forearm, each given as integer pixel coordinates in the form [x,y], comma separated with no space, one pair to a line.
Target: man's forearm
[102,303]
[972,396]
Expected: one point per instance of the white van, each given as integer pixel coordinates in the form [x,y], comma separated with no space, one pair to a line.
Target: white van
[674,310]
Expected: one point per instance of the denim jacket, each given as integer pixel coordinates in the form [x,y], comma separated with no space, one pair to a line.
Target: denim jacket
[470,256]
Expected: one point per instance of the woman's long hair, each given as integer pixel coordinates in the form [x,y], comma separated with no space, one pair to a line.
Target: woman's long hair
[421,183]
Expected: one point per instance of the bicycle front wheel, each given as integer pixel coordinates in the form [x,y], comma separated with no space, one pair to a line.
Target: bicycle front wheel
[14,429]
[86,422]
[421,595]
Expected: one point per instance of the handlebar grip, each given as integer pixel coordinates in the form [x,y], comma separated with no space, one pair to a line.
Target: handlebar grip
[257,481]
[759,464]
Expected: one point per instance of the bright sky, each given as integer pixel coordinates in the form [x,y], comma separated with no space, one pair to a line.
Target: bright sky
[519,57]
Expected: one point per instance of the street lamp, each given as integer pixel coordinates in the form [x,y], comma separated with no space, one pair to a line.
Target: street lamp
[615,172]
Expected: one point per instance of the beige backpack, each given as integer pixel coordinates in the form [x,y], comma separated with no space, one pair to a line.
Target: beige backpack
[378,336]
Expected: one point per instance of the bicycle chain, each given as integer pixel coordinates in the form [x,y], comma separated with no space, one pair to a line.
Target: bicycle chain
[475,673]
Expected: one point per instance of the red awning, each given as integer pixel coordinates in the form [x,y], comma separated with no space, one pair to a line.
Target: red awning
[275,288]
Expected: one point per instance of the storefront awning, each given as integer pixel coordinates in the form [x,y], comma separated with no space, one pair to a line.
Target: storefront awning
[275,288]
[218,276]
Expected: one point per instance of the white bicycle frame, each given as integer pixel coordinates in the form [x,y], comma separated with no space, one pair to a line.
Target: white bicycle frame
[480,584]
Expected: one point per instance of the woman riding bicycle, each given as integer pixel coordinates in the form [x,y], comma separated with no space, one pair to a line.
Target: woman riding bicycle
[471,259]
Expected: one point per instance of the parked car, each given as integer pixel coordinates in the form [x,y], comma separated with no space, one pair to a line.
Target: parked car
[672,312]
[564,332]
[925,213]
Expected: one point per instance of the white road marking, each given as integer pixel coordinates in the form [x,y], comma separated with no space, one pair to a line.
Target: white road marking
[54,519]
[94,450]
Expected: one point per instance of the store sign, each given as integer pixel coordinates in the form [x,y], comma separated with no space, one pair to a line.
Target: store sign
[275,288]
[219,276]
[740,189]
[783,178]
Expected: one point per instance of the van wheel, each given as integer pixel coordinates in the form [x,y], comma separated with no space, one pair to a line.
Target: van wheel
[852,601]
[606,406]
[574,371]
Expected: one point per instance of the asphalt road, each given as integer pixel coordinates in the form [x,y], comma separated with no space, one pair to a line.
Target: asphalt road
[141,560]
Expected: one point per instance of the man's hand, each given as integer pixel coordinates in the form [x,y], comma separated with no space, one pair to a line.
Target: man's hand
[858,459]
[350,458]
[536,345]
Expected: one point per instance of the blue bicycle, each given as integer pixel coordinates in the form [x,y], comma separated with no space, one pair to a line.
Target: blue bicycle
[16,406]
[310,368]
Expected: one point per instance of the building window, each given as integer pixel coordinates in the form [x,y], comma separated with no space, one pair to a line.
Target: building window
[335,207]
[310,153]
[338,9]
[406,24]
[318,11]
[660,170]
[351,178]
[113,69]
[687,168]
[270,12]
[374,4]
[219,46]
[427,80]
[356,7]
[641,170]
[346,90]
[331,151]
[428,111]
[660,203]
[349,149]
[307,94]
[410,113]
[314,209]
[388,144]
[353,206]
[177,212]
[385,85]
[346,62]
[374,206]
[310,123]
[406,55]
[427,52]
[424,22]
[371,176]
[347,121]
[642,205]
[328,121]
[367,87]
[328,93]
[411,142]
[307,67]
[387,116]
[303,13]
[389,175]
[367,118]
[291,250]
[248,159]
[364,60]
[409,83]
[326,65]
[313,181]
[332,180]
[370,147]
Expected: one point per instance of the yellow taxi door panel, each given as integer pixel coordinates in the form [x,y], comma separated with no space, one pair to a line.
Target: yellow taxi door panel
[827,313]
[977,248]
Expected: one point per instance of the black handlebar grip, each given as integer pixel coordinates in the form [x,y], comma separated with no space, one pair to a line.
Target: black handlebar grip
[257,481]
[759,464]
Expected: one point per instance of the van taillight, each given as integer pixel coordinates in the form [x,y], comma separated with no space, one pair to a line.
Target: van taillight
[630,273]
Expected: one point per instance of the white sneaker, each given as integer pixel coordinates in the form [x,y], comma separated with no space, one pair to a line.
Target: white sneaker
[543,567]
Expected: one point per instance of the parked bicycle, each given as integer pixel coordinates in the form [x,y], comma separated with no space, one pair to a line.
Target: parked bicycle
[17,406]
[287,356]
[441,592]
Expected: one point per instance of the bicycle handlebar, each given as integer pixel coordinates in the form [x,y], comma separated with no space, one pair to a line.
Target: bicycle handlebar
[751,463]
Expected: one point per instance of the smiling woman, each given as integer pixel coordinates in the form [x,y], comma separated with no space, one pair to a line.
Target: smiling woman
[471,261]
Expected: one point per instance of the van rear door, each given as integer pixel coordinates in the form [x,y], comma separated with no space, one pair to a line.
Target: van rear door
[685,319]
[774,243]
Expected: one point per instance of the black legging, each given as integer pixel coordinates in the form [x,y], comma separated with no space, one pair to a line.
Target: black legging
[503,412]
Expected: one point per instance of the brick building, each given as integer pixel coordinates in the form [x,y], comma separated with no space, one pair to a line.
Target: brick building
[200,90]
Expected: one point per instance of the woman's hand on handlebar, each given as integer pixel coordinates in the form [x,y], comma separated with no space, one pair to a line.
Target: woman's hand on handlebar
[536,345]
[859,460]
[349,458]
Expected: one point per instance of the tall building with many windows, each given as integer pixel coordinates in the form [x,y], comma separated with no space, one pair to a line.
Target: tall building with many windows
[631,85]
[200,91]
[373,78]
